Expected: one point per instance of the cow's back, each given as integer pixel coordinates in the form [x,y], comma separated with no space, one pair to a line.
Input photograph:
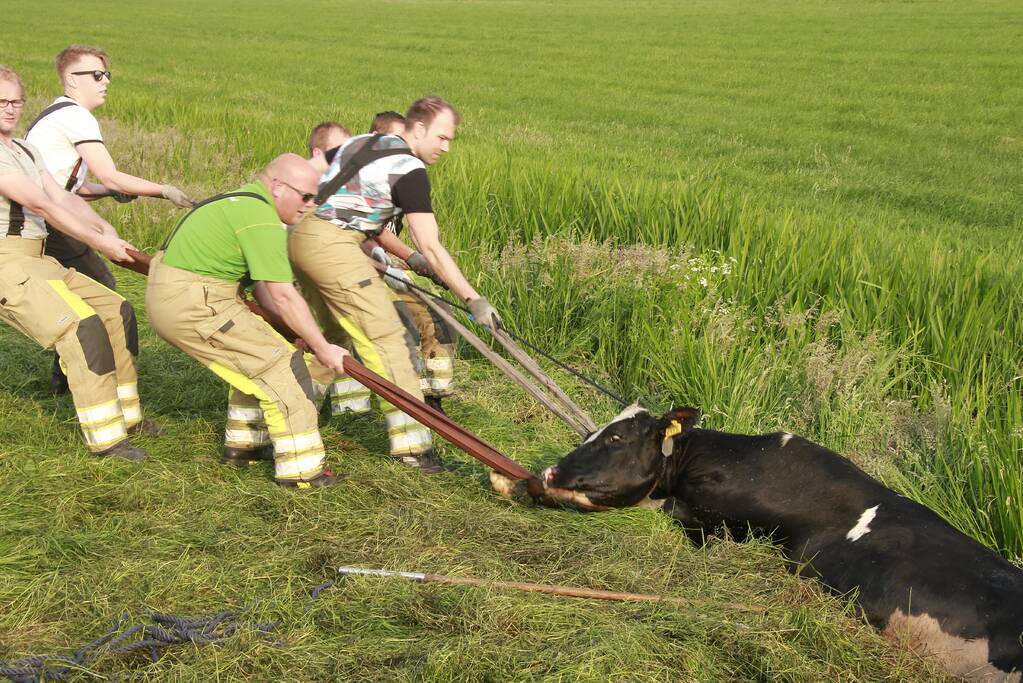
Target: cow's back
[919,578]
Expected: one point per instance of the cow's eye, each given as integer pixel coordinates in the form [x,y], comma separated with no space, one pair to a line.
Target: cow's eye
[614,438]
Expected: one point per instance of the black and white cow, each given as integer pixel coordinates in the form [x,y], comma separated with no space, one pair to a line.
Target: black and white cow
[918,578]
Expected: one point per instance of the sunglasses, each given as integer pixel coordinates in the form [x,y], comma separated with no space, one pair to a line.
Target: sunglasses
[97,74]
[306,196]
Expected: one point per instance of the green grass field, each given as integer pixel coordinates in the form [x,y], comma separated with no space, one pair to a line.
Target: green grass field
[796,215]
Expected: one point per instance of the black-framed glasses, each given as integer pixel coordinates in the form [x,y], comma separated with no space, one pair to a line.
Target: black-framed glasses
[306,196]
[14,104]
[97,74]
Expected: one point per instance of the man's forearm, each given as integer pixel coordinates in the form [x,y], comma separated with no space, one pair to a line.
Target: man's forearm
[445,267]
[68,223]
[392,245]
[78,206]
[129,184]
[294,311]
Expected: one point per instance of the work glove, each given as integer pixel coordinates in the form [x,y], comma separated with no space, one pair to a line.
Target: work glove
[380,256]
[397,279]
[123,197]
[176,197]
[483,313]
[420,266]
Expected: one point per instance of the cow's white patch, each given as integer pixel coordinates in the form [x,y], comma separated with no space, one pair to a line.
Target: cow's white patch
[862,527]
[651,503]
[959,656]
[630,412]
[785,438]
[574,498]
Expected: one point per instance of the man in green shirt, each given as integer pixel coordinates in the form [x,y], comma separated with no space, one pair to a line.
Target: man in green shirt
[194,300]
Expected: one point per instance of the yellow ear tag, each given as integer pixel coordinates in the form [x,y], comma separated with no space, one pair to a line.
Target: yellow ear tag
[668,444]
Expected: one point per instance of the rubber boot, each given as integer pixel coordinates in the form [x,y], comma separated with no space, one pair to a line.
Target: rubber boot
[243,457]
[125,450]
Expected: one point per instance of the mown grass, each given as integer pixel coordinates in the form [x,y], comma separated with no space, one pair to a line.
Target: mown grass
[86,540]
[797,215]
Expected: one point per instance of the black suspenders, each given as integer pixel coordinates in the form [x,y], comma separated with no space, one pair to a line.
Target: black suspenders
[16,217]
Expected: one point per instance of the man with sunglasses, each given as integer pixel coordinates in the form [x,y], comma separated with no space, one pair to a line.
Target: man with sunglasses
[59,308]
[194,302]
[68,136]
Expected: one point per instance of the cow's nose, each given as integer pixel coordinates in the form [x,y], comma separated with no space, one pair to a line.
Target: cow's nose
[549,474]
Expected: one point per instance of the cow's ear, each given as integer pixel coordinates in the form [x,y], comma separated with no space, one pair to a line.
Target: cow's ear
[676,423]
[680,420]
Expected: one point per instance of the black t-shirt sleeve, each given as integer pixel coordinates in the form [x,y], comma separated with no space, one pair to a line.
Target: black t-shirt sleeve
[412,192]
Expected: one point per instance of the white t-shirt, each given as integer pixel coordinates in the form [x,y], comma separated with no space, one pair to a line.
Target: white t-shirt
[57,136]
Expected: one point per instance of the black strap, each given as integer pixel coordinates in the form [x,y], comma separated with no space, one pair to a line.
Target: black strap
[69,185]
[26,150]
[210,200]
[49,110]
[16,216]
[365,156]
[73,178]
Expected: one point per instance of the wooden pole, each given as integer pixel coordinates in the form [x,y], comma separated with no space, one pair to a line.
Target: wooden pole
[547,589]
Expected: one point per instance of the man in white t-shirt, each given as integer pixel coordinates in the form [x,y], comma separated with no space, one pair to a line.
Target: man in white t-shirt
[68,136]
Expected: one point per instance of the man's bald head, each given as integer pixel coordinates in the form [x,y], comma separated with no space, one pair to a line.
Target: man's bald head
[292,182]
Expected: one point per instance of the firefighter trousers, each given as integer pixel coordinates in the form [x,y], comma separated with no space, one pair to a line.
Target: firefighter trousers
[329,260]
[434,338]
[72,253]
[271,391]
[91,327]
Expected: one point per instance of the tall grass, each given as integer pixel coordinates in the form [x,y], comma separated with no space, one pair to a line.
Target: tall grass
[729,305]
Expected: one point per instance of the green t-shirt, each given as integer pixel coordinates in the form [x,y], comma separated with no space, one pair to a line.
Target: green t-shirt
[233,239]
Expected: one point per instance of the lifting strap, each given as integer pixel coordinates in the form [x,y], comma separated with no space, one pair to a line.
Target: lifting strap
[395,395]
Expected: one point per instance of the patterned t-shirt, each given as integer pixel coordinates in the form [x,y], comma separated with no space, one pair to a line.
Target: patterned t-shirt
[382,189]
[17,159]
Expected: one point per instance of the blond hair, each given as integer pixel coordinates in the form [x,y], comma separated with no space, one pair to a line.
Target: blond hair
[318,137]
[72,53]
[11,76]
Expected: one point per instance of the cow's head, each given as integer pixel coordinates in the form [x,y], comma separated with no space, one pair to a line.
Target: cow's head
[618,465]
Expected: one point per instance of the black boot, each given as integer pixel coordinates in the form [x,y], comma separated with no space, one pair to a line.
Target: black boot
[427,463]
[243,457]
[324,478]
[125,450]
[434,402]
[146,428]
[58,380]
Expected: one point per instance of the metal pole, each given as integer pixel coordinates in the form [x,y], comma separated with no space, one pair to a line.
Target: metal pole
[536,371]
[502,364]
